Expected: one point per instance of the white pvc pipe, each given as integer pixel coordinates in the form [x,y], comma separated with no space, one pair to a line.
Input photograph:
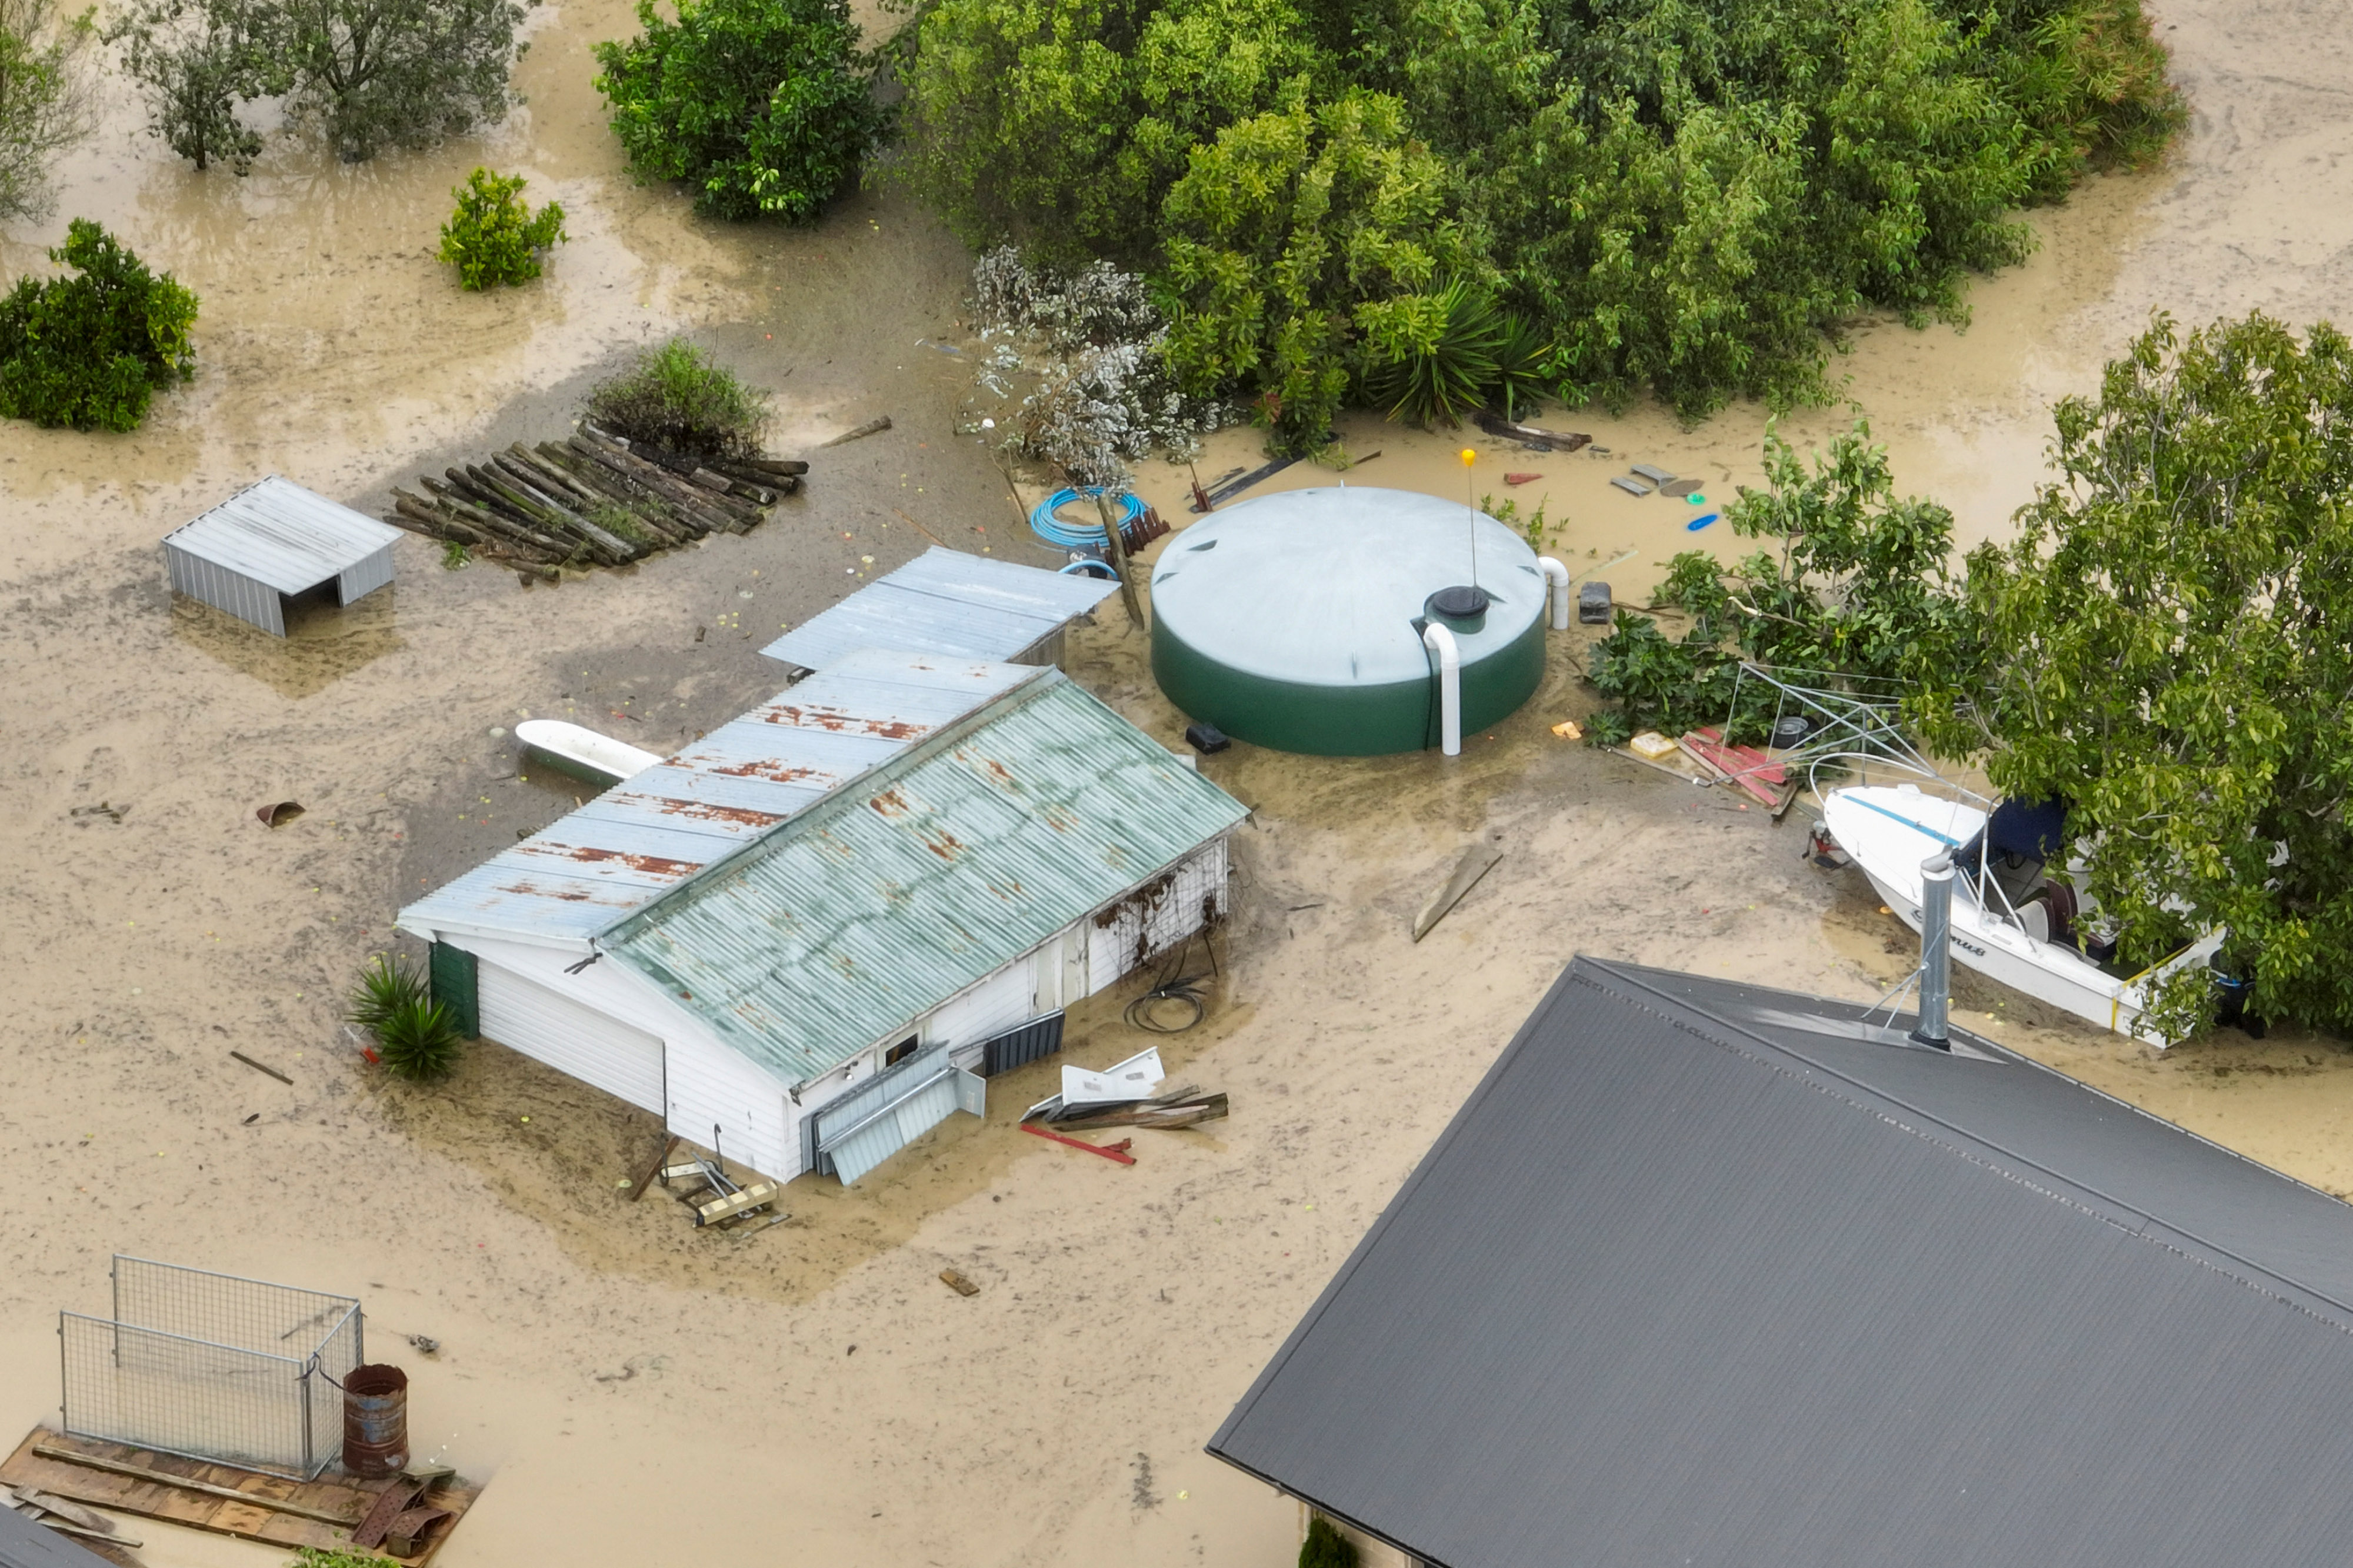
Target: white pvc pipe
[1441,641]
[1556,584]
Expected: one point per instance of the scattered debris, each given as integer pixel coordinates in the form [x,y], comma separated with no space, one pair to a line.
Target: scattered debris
[1121,1082]
[1234,486]
[1745,767]
[718,1200]
[1569,730]
[874,426]
[1530,436]
[1207,739]
[956,1281]
[106,809]
[262,1068]
[1185,1107]
[597,500]
[1696,524]
[1679,487]
[1593,604]
[1630,486]
[1522,479]
[67,1518]
[1651,746]
[1476,862]
[1144,1011]
[425,1345]
[1652,472]
[1118,1150]
[279,815]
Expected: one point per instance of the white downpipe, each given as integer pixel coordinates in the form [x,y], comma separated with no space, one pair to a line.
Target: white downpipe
[1441,641]
[1556,587]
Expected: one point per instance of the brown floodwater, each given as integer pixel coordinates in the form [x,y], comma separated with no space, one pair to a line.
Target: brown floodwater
[638,1391]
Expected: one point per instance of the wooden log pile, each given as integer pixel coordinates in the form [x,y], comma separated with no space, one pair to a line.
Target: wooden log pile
[596,499]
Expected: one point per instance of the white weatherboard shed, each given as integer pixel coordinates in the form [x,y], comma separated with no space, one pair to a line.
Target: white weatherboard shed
[274,540]
[808,929]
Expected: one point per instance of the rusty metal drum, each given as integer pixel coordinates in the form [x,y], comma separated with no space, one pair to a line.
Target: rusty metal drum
[376,1420]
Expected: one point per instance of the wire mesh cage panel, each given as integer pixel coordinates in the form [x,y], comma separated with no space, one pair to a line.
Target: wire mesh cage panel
[240,1372]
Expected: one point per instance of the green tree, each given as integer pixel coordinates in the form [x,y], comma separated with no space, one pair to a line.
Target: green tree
[1325,1547]
[2164,648]
[765,107]
[89,349]
[43,108]
[1276,236]
[394,73]
[1062,124]
[196,61]
[493,237]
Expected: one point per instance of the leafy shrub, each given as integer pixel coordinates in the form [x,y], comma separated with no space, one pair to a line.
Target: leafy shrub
[1088,347]
[494,238]
[2169,656]
[44,104]
[1691,199]
[337,1557]
[393,73]
[763,106]
[1859,592]
[90,350]
[1325,1547]
[1275,237]
[1062,124]
[196,61]
[675,397]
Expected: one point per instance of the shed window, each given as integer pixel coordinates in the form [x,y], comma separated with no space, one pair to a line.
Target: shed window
[899,1052]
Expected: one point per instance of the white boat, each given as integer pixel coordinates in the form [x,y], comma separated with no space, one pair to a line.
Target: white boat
[2011,923]
[584,754]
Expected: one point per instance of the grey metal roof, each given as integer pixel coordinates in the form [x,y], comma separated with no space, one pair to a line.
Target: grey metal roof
[945,865]
[1711,1274]
[25,1544]
[945,602]
[590,869]
[278,533]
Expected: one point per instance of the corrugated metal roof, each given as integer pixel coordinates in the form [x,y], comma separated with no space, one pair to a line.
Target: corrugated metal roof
[948,862]
[277,533]
[945,602]
[1704,1273]
[593,867]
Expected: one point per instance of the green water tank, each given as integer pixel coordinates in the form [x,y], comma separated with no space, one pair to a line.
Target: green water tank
[1290,621]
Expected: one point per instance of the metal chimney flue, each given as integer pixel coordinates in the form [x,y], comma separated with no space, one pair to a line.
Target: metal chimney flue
[1936,950]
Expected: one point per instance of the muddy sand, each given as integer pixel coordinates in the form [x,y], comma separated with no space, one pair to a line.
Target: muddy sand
[637,1392]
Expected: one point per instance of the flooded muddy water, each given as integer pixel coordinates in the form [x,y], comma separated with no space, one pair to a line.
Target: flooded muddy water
[602,1362]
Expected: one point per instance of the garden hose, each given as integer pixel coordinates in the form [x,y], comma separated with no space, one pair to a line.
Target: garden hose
[1079,536]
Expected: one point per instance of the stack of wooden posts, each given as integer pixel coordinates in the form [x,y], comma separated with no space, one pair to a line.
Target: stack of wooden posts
[595,499]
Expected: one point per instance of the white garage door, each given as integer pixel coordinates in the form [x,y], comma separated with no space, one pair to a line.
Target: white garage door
[571,1037]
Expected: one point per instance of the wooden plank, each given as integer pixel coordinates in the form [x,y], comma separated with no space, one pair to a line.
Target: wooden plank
[1108,1151]
[1476,862]
[186,1483]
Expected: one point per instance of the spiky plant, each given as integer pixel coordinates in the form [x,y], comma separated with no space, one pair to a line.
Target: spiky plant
[419,1040]
[1432,358]
[1524,370]
[385,985]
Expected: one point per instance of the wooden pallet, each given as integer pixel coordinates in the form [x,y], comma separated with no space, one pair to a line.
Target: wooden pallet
[343,1497]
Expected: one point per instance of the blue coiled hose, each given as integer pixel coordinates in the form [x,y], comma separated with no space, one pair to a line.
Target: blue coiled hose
[1083,535]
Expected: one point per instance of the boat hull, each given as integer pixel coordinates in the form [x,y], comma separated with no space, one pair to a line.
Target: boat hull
[1889,831]
[582,753]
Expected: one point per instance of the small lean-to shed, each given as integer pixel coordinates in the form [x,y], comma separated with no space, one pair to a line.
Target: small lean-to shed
[274,540]
[948,603]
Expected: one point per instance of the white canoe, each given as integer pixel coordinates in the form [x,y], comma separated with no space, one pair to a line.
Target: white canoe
[1889,830]
[584,752]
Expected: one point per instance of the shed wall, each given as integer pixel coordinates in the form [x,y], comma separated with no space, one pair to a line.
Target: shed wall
[255,604]
[568,1034]
[1144,928]
[357,582]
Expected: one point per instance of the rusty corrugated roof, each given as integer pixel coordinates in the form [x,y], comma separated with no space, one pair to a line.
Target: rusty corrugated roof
[642,838]
[949,861]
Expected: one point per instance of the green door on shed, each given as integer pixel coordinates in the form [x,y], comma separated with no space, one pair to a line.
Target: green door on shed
[452,971]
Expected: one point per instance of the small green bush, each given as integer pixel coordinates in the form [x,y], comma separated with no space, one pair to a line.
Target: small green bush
[419,1041]
[494,238]
[385,987]
[337,1557]
[675,397]
[1433,356]
[90,350]
[1325,1547]
[765,105]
